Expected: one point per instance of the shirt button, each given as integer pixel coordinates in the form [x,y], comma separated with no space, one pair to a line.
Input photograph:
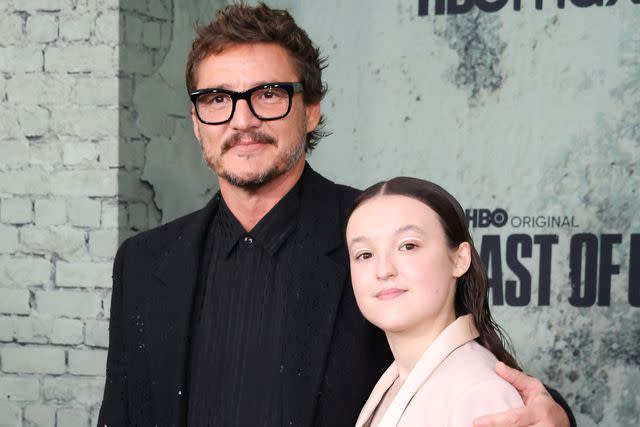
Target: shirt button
[248,240]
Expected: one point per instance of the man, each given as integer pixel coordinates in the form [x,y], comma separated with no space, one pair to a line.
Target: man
[242,313]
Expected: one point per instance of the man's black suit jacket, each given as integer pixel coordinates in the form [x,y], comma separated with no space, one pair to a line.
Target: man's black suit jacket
[332,356]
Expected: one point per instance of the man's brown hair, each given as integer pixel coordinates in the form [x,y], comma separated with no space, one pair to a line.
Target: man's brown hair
[239,23]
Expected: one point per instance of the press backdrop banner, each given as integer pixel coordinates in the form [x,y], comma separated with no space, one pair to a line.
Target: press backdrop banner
[529,113]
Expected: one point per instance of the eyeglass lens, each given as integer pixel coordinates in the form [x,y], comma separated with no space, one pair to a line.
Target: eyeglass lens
[267,103]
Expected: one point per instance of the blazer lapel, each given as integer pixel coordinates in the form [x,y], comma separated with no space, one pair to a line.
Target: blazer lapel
[384,383]
[313,297]
[461,331]
[169,312]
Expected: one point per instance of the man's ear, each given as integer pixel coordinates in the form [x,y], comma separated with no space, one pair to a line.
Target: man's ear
[462,259]
[313,116]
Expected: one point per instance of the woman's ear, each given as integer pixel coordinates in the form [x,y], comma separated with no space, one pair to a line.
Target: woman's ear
[462,259]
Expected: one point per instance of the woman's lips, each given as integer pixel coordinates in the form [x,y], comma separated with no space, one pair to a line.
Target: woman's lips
[390,293]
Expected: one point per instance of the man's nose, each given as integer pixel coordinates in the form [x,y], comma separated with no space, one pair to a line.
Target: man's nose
[243,117]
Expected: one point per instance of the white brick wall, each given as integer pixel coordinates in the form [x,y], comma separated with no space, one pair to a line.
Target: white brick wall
[63,96]
[59,203]
[39,416]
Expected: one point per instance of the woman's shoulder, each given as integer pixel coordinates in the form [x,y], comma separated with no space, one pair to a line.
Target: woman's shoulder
[463,387]
[469,366]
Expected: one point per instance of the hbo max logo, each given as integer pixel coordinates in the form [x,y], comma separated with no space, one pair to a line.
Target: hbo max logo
[483,218]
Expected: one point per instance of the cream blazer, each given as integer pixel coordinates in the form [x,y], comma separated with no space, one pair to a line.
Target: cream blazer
[453,382]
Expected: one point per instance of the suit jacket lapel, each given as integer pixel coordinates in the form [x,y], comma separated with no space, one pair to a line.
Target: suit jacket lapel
[169,312]
[313,297]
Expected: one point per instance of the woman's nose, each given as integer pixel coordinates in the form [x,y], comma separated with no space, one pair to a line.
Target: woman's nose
[385,267]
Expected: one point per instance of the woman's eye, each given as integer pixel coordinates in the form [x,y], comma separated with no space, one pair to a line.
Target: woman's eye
[408,246]
[364,255]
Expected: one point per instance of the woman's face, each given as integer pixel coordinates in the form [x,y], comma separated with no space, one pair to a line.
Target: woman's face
[402,269]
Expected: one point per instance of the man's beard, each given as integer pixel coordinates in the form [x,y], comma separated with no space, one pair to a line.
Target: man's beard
[282,164]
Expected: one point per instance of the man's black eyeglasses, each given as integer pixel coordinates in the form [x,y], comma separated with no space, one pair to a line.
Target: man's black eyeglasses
[269,101]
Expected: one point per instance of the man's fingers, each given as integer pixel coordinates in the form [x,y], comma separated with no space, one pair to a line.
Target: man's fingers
[520,417]
[525,384]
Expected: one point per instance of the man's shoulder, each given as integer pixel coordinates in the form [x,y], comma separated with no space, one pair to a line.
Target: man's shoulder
[164,234]
[346,194]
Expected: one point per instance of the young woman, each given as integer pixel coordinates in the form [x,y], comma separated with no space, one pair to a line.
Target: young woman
[417,276]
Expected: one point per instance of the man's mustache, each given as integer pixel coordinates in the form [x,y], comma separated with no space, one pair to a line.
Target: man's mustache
[258,137]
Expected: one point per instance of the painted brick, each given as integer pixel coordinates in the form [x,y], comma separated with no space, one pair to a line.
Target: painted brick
[68,303]
[108,152]
[132,189]
[80,153]
[75,417]
[96,183]
[14,301]
[76,27]
[78,58]
[106,305]
[63,240]
[14,154]
[3,87]
[151,35]
[138,218]
[136,60]
[83,274]
[11,31]
[31,180]
[9,121]
[78,390]
[158,9]
[6,328]
[45,155]
[133,30]
[87,362]
[19,388]
[33,360]
[107,23]
[39,89]
[34,121]
[167,33]
[132,154]
[67,331]
[8,238]
[10,414]
[39,416]
[112,211]
[42,5]
[31,329]
[50,212]
[16,211]
[19,59]
[42,28]
[103,243]
[96,91]
[103,123]
[84,212]
[97,333]
[24,271]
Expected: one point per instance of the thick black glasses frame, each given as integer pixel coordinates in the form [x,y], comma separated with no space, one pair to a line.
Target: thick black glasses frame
[290,87]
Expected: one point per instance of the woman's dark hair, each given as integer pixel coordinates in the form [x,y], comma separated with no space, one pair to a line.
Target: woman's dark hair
[472,287]
[242,24]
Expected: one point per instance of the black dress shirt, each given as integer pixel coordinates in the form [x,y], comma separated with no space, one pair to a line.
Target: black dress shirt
[236,363]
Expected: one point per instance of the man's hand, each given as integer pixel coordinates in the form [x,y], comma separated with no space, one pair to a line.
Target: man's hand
[540,409]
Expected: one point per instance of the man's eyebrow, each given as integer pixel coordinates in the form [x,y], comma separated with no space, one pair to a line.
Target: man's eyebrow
[228,87]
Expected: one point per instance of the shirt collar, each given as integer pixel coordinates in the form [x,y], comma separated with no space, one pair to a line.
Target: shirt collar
[270,232]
